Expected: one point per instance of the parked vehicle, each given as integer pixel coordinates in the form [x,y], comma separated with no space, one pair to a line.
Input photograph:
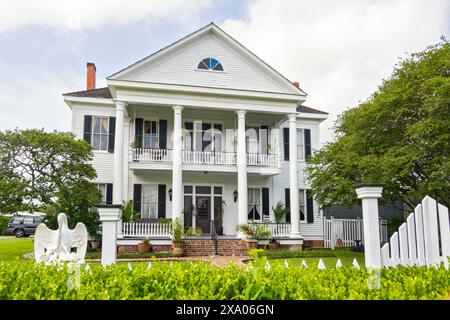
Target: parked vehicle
[23,226]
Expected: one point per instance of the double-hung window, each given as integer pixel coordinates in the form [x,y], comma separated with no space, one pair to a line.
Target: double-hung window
[257,139]
[149,202]
[100,131]
[203,136]
[150,135]
[302,204]
[300,144]
[254,203]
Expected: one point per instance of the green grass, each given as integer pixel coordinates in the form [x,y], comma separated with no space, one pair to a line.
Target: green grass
[12,249]
[312,257]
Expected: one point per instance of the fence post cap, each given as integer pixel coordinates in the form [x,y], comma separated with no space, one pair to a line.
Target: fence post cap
[365,191]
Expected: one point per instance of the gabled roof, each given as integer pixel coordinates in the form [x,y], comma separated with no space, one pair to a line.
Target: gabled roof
[306,109]
[95,93]
[210,28]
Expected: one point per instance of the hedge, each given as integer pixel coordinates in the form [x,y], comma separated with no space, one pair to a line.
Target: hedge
[3,224]
[204,281]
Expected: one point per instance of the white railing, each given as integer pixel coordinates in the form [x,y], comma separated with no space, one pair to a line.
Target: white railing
[204,157]
[424,239]
[144,154]
[278,230]
[142,229]
[262,159]
[344,232]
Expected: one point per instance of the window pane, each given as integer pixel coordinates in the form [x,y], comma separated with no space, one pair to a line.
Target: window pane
[105,125]
[104,142]
[300,144]
[96,142]
[97,124]
[28,221]
[302,202]
[188,189]
[102,188]
[150,201]
[217,190]
[203,190]
[218,67]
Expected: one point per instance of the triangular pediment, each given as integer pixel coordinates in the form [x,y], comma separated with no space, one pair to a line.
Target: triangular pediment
[178,64]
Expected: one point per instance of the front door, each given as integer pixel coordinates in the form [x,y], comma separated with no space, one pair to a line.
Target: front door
[203,207]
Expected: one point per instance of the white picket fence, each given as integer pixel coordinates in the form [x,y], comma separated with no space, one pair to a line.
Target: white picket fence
[424,239]
[344,232]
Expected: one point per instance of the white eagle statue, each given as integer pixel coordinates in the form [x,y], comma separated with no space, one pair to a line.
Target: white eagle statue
[51,245]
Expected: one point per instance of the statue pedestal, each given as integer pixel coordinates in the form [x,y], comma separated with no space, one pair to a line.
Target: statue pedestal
[109,216]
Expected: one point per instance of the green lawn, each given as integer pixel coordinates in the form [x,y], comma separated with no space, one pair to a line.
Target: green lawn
[12,249]
[329,258]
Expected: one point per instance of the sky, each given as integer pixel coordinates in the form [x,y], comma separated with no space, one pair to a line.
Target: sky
[339,51]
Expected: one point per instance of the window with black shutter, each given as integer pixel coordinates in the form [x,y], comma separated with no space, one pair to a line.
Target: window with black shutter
[137,193]
[287,203]
[309,207]
[87,131]
[161,200]
[138,131]
[286,143]
[112,133]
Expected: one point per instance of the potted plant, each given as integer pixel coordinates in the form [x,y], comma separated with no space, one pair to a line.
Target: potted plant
[249,241]
[95,242]
[274,244]
[177,239]
[144,246]
[128,214]
[279,212]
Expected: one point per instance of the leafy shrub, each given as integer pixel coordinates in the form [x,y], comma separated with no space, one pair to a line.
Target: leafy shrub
[3,224]
[205,281]
[280,211]
[286,253]
[193,232]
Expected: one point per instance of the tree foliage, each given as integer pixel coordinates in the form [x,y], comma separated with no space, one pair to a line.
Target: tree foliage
[399,137]
[40,170]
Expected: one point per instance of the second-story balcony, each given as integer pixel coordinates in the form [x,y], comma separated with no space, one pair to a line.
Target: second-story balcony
[144,155]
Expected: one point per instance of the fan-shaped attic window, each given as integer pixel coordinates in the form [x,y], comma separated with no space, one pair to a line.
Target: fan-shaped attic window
[210,64]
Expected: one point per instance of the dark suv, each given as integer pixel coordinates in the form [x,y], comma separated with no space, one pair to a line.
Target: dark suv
[23,226]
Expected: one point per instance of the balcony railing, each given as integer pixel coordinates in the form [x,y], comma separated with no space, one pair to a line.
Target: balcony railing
[143,154]
[141,229]
[203,157]
[262,159]
[278,230]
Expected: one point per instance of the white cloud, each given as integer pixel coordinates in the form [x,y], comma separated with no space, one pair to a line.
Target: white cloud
[78,14]
[339,51]
[36,101]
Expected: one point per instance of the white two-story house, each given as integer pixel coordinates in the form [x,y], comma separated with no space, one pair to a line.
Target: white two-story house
[205,131]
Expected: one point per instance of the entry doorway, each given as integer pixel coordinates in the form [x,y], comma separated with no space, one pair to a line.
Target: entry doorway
[203,207]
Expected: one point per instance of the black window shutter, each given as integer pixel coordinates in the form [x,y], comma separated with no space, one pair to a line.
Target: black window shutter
[161,200]
[264,136]
[87,131]
[112,133]
[109,193]
[307,133]
[287,204]
[309,207]
[163,134]
[265,201]
[138,128]
[137,191]
[286,143]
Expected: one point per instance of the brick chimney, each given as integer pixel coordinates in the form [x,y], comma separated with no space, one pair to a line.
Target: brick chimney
[296,84]
[90,76]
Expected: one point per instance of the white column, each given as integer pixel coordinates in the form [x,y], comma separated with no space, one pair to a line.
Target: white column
[369,195]
[126,151]
[241,161]
[293,177]
[177,173]
[110,215]
[118,154]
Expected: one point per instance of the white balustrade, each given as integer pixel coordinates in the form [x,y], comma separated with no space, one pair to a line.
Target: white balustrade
[143,229]
[278,230]
[209,157]
[144,154]
[262,159]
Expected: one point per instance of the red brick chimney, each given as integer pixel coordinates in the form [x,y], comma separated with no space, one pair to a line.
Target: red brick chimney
[296,84]
[90,76]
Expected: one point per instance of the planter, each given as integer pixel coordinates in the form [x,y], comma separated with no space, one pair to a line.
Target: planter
[95,244]
[144,247]
[274,245]
[178,250]
[250,243]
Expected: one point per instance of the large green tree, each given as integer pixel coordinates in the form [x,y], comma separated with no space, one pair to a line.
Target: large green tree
[40,169]
[399,137]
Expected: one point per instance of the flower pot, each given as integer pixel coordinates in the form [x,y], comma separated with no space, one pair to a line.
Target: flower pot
[177,250]
[274,245]
[144,247]
[250,243]
[95,244]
